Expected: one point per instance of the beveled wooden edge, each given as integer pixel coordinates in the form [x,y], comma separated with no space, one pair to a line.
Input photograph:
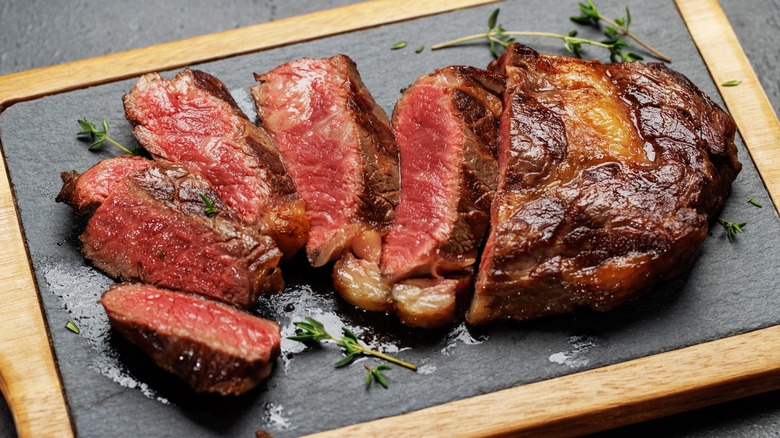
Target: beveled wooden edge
[93,71]
[602,398]
[585,402]
[28,376]
[747,102]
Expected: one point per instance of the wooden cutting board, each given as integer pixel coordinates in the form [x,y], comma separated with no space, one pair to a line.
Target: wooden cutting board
[589,401]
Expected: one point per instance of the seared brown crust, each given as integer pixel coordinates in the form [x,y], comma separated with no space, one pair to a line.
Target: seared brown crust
[206,361]
[608,176]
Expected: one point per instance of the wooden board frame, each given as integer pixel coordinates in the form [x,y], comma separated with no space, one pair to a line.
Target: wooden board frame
[603,398]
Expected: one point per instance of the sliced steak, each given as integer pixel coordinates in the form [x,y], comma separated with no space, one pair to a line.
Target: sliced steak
[85,192]
[152,226]
[337,144]
[608,177]
[211,346]
[446,126]
[193,120]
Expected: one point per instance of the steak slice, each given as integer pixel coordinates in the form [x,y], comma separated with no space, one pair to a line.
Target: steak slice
[151,226]
[85,192]
[211,346]
[338,146]
[608,177]
[446,126]
[193,120]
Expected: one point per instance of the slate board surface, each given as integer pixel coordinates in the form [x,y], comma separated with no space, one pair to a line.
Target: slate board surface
[113,390]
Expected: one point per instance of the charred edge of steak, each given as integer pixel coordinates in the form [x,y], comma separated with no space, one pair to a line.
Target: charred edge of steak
[611,228]
[211,346]
[85,192]
[154,228]
[381,183]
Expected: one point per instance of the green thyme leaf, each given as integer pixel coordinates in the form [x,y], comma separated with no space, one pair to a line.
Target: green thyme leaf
[312,330]
[754,202]
[419,49]
[732,228]
[90,132]
[398,45]
[70,325]
[493,18]
[732,83]
[209,208]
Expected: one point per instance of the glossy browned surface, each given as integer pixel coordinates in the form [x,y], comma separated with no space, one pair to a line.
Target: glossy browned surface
[608,177]
[211,346]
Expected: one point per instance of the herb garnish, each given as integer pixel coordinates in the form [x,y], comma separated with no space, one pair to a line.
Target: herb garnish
[398,45]
[732,228]
[754,202]
[72,327]
[732,83]
[209,208]
[419,49]
[497,35]
[89,130]
[376,374]
[312,330]
[614,30]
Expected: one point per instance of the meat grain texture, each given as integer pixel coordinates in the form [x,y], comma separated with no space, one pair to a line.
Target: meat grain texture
[446,126]
[192,119]
[211,346]
[608,178]
[148,223]
[337,144]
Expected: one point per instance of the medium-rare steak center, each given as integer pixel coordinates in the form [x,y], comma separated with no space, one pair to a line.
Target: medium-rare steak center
[446,127]
[150,225]
[337,144]
[608,177]
[193,120]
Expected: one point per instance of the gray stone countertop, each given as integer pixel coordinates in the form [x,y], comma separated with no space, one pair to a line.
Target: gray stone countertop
[38,33]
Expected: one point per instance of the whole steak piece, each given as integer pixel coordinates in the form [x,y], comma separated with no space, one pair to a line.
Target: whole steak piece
[153,226]
[446,127]
[211,346]
[192,119]
[608,178]
[337,144]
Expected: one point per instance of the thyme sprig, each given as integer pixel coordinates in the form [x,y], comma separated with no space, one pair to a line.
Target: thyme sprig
[312,330]
[208,205]
[497,36]
[375,374]
[90,131]
[732,228]
[614,30]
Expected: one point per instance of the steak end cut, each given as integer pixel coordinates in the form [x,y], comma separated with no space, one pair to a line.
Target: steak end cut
[211,346]
[608,178]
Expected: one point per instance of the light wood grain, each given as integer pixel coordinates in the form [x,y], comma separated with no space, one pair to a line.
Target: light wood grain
[599,399]
[603,398]
[28,378]
[747,102]
[50,80]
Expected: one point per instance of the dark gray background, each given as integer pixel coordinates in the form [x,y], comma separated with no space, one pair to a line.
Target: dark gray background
[34,34]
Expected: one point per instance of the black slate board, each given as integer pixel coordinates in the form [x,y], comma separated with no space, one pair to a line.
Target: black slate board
[113,391]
